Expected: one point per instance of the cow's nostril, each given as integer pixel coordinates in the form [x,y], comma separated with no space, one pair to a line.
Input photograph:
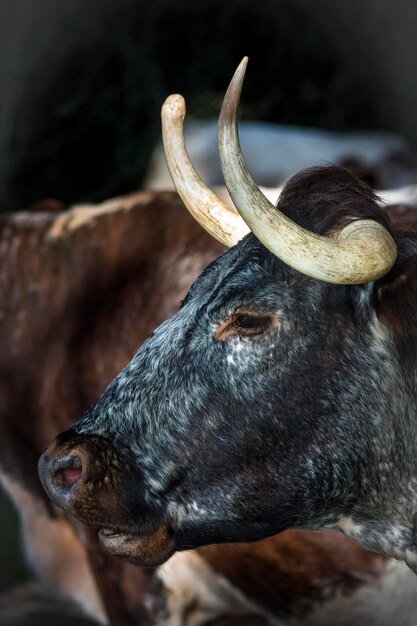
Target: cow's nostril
[68,473]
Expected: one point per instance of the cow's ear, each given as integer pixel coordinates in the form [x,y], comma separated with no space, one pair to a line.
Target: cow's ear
[396,298]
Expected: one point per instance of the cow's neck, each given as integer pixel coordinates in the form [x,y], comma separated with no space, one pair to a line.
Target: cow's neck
[386,519]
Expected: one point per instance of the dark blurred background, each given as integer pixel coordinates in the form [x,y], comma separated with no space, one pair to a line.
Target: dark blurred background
[82,83]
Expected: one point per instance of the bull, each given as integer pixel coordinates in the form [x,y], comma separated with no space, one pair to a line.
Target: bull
[280,395]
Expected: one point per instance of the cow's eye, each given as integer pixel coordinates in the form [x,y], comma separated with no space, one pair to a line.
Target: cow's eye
[244,324]
[251,322]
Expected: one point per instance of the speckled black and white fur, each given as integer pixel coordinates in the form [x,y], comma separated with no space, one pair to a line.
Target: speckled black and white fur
[311,423]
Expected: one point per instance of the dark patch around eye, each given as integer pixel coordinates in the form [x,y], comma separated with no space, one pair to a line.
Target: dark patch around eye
[245,325]
[251,321]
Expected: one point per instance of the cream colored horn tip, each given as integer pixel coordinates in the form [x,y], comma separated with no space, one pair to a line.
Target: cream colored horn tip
[174,106]
[243,64]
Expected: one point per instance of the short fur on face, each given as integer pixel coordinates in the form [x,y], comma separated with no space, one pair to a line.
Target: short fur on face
[270,400]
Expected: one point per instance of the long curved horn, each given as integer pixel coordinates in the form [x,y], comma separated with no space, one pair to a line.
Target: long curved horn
[363,250]
[220,220]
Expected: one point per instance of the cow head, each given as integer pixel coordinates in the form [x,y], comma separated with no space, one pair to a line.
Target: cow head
[279,395]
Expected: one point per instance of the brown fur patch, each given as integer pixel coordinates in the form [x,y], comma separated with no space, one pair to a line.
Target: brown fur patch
[289,572]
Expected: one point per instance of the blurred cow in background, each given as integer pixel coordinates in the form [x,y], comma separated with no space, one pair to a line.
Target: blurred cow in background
[274,153]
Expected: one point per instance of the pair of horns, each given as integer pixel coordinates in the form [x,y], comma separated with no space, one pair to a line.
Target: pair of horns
[361,252]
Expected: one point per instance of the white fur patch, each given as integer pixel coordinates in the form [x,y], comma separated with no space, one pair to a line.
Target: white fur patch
[389,601]
[79,215]
[196,594]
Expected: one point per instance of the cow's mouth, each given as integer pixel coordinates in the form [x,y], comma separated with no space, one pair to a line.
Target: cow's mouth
[147,550]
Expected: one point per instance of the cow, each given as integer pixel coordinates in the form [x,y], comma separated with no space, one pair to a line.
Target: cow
[61,271]
[81,289]
[280,395]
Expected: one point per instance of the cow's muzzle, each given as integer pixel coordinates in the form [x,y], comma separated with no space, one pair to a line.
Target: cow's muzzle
[87,478]
[62,474]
